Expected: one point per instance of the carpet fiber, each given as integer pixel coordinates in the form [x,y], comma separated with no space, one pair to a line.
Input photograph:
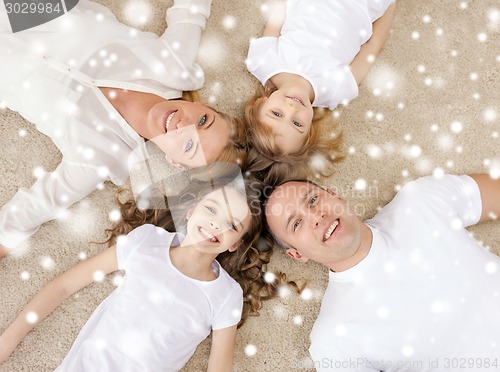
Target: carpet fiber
[430,104]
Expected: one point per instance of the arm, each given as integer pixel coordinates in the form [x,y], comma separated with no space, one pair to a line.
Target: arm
[185,27]
[363,61]
[52,193]
[490,196]
[276,19]
[52,295]
[221,353]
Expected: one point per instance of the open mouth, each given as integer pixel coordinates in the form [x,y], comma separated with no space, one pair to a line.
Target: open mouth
[207,235]
[296,99]
[168,118]
[331,229]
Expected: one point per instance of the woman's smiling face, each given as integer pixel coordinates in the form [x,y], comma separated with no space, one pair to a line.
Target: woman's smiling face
[189,133]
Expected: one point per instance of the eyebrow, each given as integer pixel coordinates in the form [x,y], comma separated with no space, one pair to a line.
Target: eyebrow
[292,215]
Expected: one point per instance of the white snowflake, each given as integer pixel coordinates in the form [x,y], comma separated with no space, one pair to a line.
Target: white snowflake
[32,317]
[38,172]
[115,215]
[137,12]
[250,350]
[229,22]
[98,276]
[360,184]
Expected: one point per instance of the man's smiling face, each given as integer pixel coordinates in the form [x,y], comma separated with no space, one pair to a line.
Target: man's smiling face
[316,224]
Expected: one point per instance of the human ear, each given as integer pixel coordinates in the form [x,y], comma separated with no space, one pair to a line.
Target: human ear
[177,165]
[296,255]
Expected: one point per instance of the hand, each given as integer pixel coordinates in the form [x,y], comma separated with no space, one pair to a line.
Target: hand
[3,251]
[6,348]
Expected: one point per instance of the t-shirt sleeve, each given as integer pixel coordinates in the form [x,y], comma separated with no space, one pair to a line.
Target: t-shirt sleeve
[333,86]
[127,245]
[261,58]
[451,196]
[230,312]
[331,358]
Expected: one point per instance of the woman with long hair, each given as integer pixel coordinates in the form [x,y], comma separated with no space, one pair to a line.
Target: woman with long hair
[100,89]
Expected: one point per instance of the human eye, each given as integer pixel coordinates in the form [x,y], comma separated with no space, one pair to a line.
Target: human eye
[203,120]
[211,209]
[297,124]
[232,226]
[276,113]
[189,146]
[295,225]
[313,200]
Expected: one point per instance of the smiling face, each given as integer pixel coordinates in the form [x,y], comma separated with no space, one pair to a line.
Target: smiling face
[189,133]
[318,224]
[290,115]
[219,221]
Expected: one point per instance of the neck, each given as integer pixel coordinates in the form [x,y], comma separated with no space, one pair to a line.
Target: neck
[133,106]
[192,263]
[360,254]
[285,80]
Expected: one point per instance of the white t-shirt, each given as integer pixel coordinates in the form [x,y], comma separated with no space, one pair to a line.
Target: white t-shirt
[427,296]
[50,74]
[157,317]
[318,41]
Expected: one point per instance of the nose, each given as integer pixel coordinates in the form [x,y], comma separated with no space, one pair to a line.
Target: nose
[315,218]
[187,119]
[293,106]
[214,225]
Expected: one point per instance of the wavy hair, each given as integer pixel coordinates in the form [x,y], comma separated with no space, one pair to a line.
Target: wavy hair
[273,165]
[246,265]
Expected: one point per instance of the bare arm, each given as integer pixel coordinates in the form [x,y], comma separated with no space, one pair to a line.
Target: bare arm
[363,61]
[276,19]
[52,295]
[490,196]
[221,353]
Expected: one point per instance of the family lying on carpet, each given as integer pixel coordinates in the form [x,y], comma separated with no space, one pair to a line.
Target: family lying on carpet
[409,284]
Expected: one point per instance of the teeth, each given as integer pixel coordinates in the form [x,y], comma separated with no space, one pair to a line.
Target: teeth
[169,118]
[330,230]
[208,235]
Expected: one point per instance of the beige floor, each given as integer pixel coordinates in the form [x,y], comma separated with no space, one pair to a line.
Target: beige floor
[434,70]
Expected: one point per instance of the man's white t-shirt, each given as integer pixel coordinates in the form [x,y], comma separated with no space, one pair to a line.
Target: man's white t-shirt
[427,296]
[157,317]
[318,41]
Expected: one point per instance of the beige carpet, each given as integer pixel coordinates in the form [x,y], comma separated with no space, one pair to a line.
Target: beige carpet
[440,67]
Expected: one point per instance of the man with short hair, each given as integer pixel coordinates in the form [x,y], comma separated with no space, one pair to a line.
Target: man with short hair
[409,289]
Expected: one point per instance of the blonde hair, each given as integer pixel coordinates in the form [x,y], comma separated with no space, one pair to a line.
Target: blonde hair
[271,163]
[236,149]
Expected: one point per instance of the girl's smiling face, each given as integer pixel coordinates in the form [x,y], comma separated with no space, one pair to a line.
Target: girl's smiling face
[289,114]
[189,133]
[219,221]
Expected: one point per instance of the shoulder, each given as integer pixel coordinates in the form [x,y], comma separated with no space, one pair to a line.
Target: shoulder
[436,187]
[143,233]
[229,283]
[440,196]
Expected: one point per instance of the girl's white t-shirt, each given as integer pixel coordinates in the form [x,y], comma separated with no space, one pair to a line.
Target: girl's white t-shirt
[318,41]
[157,316]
